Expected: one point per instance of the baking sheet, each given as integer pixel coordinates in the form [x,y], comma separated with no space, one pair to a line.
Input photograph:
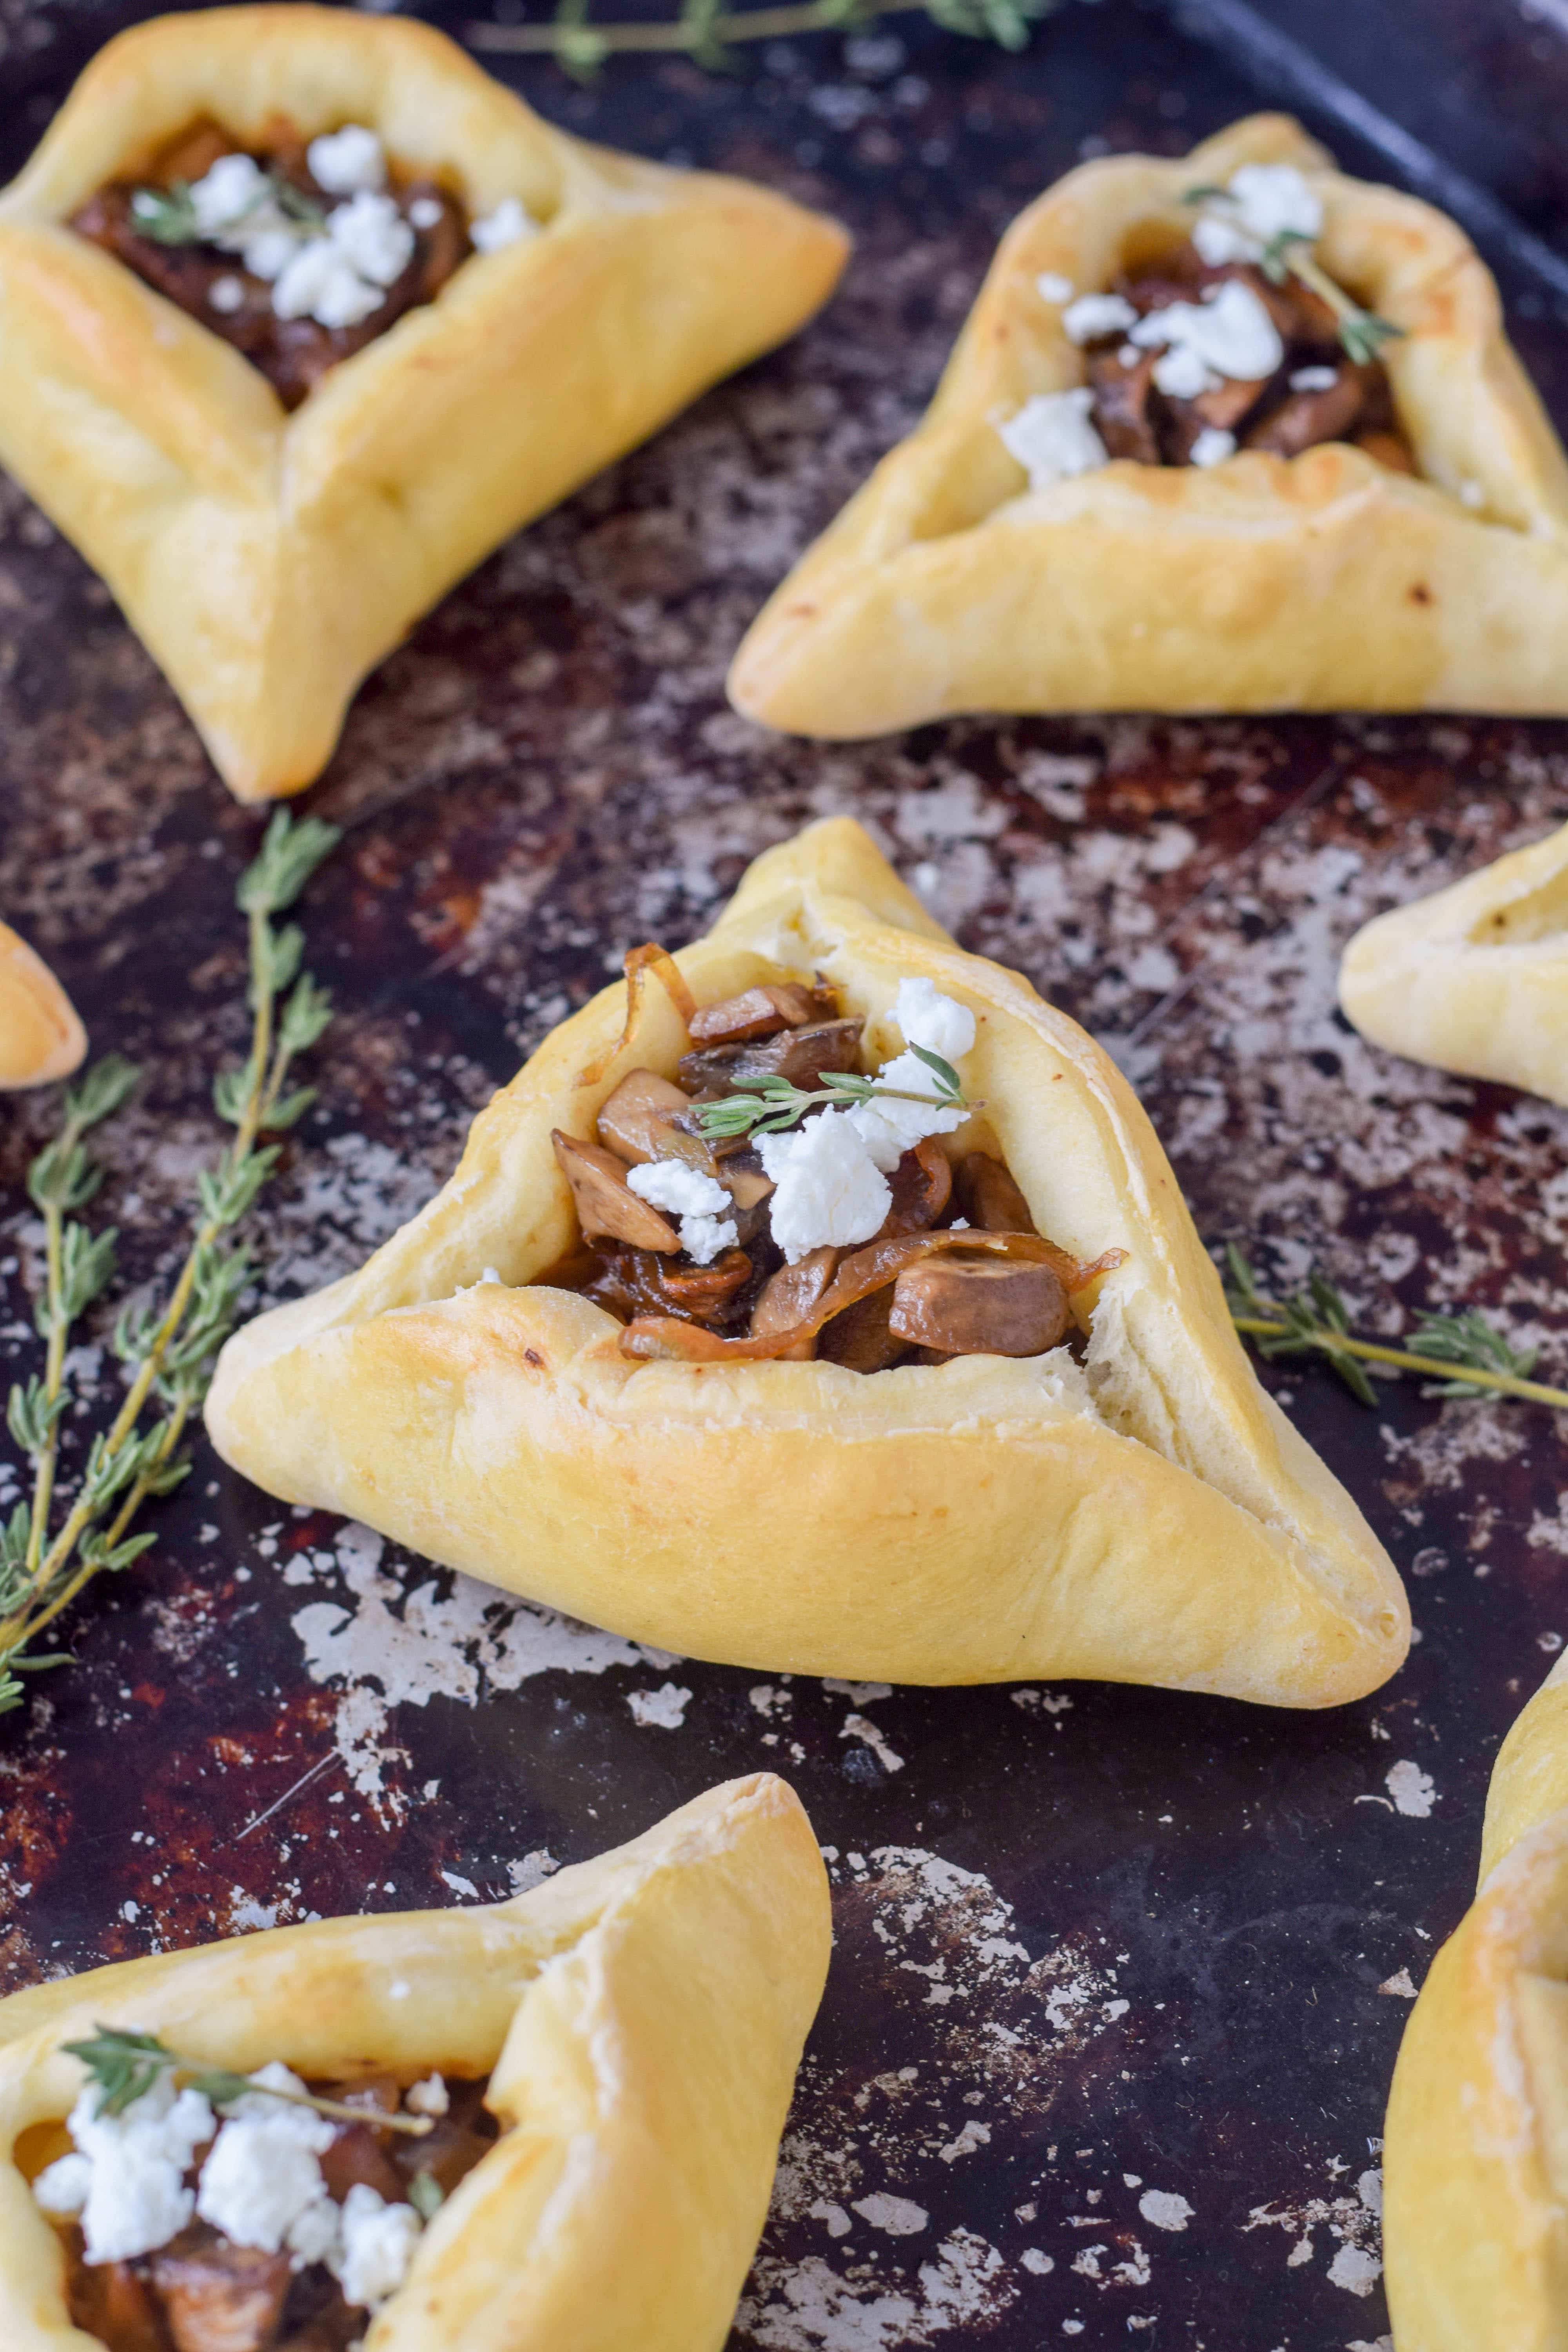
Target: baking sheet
[1119,1974]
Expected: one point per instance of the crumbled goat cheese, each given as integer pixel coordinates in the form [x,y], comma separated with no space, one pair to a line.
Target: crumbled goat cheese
[1273,198]
[1053,288]
[1219,241]
[262,2184]
[234,189]
[508,224]
[929,1018]
[1182,375]
[1093,315]
[425,213]
[344,161]
[372,235]
[322,283]
[225,294]
[1213,447]
[890,1128]
[703,1206]
[266,249]
[431,2097]
[126,2180]
[1231,332]
[1314,379]
[378,2242]
[1052,437]
[827,1187]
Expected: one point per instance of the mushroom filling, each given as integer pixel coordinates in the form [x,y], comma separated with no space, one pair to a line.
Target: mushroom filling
[297,252]
[263,2227]
[1235,339]
[842,1231]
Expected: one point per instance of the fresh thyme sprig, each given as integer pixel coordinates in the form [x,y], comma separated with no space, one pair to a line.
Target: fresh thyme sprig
[1362,333]
[168,216]
[772,1104]
[123,2065]
[1318,1319]
[169,1354]
[707,32]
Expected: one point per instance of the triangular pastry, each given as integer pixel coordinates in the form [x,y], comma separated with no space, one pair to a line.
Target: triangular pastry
[1221,577]
[269,560]
[41,1039]
[1476,2146]
[995,1504]
[1475,978]
[635,2025]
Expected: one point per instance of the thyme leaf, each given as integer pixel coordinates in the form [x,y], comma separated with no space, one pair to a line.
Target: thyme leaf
[123,2065]
[169,216]
[773,1104]
[708,33]
[1317,1319]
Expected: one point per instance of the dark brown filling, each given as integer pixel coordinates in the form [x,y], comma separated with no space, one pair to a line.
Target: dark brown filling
[914,1294]
[293,354]
[202,2294]
[1135,419]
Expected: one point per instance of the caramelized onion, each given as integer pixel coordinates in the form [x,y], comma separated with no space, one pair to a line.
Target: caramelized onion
[870,1269]
[639,962]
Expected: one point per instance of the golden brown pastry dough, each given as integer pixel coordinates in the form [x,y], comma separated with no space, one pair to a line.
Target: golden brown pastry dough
[41,1039]
[1475,2150]
[267,561]
[1317,583]
[640,2016]
[1154,1520]
[1475,978]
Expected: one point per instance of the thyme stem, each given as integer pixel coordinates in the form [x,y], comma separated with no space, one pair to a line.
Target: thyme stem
[1335,1343]
[744,24]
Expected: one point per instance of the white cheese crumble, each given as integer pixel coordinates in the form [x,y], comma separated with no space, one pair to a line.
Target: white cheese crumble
[320,283]
[226,295]
[372,235]
[508,224]
[1314,379]
[827,1187]
[342,162]
[702,1205]
[262,2184]
[1093,315]
[1219,241]
[235,187]
[1053,436]
[928,1018]
[377,2246]
[1182,374]
[1262,201]
[425,212]
[1051,286]
[431,2097]
[126,2180]
[1213,447]
[1230,333]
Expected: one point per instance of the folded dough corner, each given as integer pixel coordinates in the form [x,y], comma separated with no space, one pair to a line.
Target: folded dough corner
[1145,1514]
[41,1039]
[640,2018]
[1475,2145]
[1475,978]
[1317,581]
[268,561]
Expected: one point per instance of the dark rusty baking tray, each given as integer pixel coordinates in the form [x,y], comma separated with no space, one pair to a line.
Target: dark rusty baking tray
[1093,1943]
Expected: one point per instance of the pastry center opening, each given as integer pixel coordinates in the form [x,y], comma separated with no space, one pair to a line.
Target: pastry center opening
[225,2214]
[299,252]
[780,1198]
[1233,338]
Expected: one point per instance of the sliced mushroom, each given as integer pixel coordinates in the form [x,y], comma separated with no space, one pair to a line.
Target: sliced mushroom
[604,1201]
[988,1196]
[634,1120]
[800,1055]
[1121,403]
[703,1292]
[1305,418]
[219,2297]
[789,1297]
[761,1012]
[979,1307]
[113,2302]
[922,1186]
[358,2152]
[862,1339]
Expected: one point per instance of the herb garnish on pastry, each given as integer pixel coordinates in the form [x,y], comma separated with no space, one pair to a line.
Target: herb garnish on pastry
[1474,979]
[41,1039]
[547,2122]
[305,314]
[1234,431]
[777,1405]
[1476,2146]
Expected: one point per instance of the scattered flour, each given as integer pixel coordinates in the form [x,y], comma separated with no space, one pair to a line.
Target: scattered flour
[1412,1791]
